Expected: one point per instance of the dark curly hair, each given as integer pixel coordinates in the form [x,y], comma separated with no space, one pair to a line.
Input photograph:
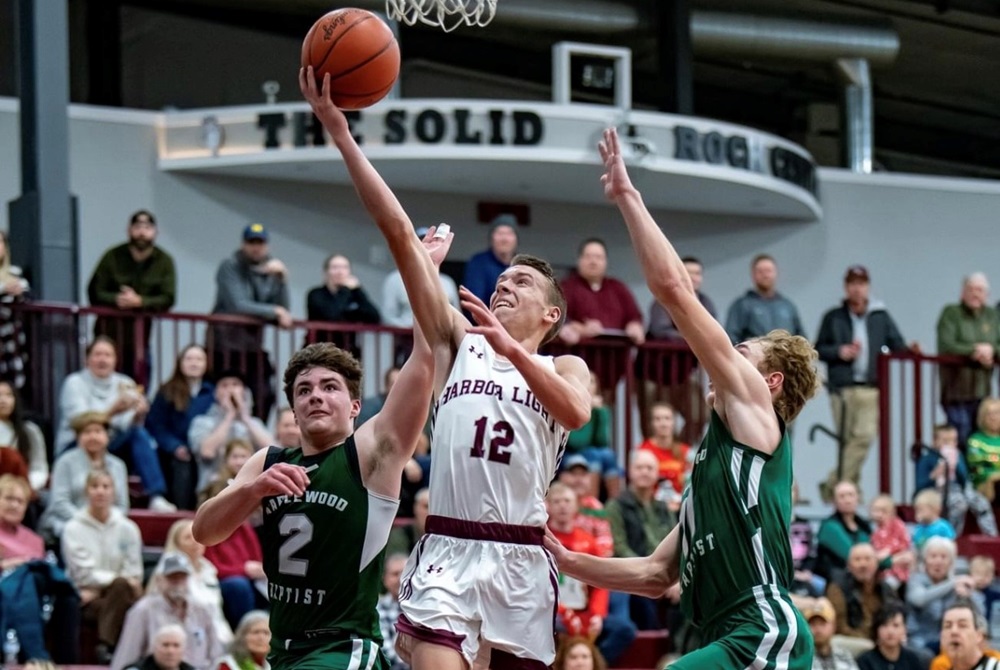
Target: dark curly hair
[323,355]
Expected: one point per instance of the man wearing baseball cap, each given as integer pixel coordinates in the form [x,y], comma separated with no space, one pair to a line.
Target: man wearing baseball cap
[250,283]
[170,602]
[822,620]
[851,337]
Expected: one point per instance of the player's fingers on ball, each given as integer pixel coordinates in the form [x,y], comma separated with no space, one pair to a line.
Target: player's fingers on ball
[326,85]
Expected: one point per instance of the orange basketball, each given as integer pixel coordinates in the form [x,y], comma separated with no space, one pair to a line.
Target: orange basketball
[359,52]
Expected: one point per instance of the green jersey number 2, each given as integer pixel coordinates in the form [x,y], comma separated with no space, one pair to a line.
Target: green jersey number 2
[298,530]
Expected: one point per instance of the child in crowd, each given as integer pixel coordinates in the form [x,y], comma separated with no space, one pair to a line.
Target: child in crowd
[593,442]
[944,469]
[891,539]
[982,569]
[927,510]
[672,454]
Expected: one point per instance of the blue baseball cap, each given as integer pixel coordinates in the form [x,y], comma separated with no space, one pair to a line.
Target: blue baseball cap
[573,461]
[255,231]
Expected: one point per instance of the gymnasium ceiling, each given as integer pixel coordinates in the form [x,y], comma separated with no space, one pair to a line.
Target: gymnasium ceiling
[937,108]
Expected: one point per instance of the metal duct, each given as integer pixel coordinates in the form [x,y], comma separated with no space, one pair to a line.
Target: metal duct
[858,115]
[712,33]
[745,36]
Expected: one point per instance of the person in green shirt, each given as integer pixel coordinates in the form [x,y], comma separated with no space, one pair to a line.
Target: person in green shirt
[983,448]
[136,277]
[593,441]
[730,552]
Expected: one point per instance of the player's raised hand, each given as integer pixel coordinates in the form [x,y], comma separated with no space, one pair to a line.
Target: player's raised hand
[319,99]
[615,178]
[281,479]
[486,323]
[437,245]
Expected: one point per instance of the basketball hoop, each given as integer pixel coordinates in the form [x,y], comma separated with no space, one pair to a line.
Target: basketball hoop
[444,14]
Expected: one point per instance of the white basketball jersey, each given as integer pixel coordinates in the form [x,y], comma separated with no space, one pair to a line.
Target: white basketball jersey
[494,448]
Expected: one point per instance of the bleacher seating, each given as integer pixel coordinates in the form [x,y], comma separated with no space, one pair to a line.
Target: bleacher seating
[646,650]
[155,525]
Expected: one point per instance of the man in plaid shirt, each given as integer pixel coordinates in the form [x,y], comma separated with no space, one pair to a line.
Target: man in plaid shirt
[388,608]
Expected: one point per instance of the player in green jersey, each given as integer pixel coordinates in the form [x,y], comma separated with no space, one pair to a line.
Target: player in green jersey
[329,506]
[731,550]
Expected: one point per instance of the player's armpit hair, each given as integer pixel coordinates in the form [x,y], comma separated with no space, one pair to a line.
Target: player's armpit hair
[795,357]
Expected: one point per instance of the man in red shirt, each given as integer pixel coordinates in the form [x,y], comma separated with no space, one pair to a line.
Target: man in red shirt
[583,610]
[591,517]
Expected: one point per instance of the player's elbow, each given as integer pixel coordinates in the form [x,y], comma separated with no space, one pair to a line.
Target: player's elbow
[670,290]
[577,417]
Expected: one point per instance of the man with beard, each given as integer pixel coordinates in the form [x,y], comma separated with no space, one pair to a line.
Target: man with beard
[136,277]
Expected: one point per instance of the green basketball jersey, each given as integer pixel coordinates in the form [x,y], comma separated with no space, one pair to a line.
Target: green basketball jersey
[734,524]
[323,552]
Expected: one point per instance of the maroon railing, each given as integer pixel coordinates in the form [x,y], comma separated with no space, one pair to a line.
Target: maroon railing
[58,334]
[909,407]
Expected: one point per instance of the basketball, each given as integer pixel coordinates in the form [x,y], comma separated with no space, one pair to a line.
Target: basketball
[359,52]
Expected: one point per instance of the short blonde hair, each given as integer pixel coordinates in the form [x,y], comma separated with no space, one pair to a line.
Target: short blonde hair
[81,421]
[984,407]
[884,498]
[928,497]
[795,357]
[982,561]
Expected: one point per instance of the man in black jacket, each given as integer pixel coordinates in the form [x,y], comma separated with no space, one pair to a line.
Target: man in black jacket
[851,337]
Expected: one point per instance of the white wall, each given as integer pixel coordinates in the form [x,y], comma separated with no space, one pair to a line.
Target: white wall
[918,236]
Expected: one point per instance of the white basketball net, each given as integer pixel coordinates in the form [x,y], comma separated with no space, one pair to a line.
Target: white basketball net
[444,14]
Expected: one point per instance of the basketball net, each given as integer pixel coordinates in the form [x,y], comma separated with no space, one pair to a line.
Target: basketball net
[444,14]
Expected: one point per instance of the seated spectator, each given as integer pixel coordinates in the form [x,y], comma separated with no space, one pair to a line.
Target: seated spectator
[891,541]
[228,418]
[250,646]
[239,560]
[840,531]
[805,583]
[372,405]
[982,569]
[927,512]
[68,493]
[932,589]
[983,450]
[103,553]
[237,453]
[286,429]
[592,517]
[402,539]
[943,468]
[889,635]
[171,603]
[583,610]
[856,596]
[24,436]
[578,653]
[671,453]
[50,603]
[168,647]
[388,609]
[963,640]
[184,396]
[822,619]
[98,388]
[204,581]
[639,522]
[593,442]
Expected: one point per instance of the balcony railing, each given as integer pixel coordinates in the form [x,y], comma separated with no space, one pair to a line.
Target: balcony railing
[58,334]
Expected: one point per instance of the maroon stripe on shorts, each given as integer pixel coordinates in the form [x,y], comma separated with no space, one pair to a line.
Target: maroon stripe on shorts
[444,638]
[490,532]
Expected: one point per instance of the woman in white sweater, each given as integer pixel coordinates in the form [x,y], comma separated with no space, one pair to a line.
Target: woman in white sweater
[102,549]
[68,492]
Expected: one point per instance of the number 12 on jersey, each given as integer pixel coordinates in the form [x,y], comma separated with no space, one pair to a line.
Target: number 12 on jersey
[501,436]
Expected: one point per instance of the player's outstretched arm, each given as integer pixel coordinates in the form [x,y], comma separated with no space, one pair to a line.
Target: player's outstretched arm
[220,516]
[420,277]
[668,280]
[648,576]
[563,391]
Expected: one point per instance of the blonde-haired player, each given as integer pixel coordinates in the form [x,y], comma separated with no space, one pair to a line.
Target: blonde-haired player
[730,551]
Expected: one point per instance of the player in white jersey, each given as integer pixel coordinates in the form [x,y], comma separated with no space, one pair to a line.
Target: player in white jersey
[480,581]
